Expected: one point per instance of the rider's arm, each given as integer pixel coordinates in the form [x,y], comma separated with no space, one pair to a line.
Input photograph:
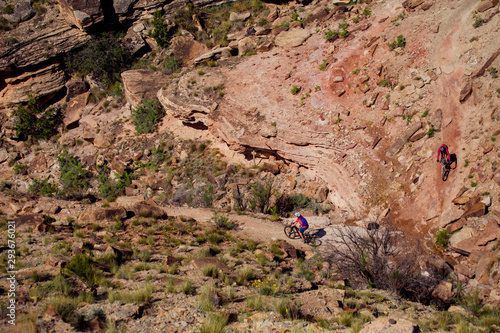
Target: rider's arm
[448,153]
[439,151]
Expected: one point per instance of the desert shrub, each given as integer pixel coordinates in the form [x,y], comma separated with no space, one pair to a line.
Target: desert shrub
[112,188]
[383,258]
[399,42]
[295,90]
[430,132]
[103,57]
[222,221]
[260,196]
[81,265]
[34,122]
[75,179]
[146,116]
[42,187]
[441,239]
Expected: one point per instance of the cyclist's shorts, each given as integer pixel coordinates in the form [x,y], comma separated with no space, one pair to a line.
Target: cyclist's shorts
[303,229]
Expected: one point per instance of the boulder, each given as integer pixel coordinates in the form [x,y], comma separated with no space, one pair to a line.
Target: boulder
[465,270]
[411,4]
[145,210]
[444,291]
[246,44]
[123,6]
[449,215]
[489,233]
[461,200]
[74,111]
[323,303]
[477,210]
[212,54]
[465,92]
[102,214]
[466,246]
[483,267]
[22,11]
[292,38]
[289,249]
[239,16]
[486,4]
[199,263]
[141,84]
[455,226]
[186,49]
[75,88]
[38,163]
[81,14]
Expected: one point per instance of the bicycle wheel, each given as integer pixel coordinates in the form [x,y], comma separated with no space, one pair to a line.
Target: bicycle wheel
[443,172]
[291,232]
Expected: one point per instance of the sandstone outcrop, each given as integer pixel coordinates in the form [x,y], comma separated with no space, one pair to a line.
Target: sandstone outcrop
[141,84]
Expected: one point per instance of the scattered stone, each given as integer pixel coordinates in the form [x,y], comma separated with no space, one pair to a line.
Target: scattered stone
[338,79]
[444,291]
[372,99]
[461,200]
[477,210]
[465,92]
[289,249]
[488,149]
[449,215]
[186,49]
[239,16]
[412,4]
[199,263]
[292,38]
[483,267]
[455,226]
[246,44]
[466,246]
[487,64]
[485,5]
[487,201]
[489,233]
[465,270]
[102,214]
[340,92]
[364,88]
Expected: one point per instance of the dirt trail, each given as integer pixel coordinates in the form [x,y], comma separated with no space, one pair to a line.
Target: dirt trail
[248,227]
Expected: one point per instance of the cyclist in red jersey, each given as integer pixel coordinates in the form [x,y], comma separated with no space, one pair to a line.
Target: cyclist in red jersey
[443,153]
[303,225]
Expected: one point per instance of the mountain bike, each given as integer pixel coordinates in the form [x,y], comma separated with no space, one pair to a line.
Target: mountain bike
[445,168]
[292,232]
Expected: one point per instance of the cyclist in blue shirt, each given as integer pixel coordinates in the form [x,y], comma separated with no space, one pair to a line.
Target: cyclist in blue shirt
[303,225]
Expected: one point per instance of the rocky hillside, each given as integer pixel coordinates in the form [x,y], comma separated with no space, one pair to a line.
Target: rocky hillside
[122,111]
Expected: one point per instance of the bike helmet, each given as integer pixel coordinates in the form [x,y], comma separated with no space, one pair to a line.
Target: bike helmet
[443,150]
[297,214]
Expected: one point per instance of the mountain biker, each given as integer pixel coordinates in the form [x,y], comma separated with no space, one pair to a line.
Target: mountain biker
[443,153]
[303,225]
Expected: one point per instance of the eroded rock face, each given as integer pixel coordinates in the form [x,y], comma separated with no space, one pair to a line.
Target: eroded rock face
[42,82]
[242,115]
[139,84]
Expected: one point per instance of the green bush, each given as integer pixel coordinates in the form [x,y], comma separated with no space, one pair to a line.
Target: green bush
[35,122]
[109,188]
[222,221]
[103,56]
[442,238]
[42,187]
[160,33]
[146,116]
[295,90]
[399,42]
[82,265]
[430,132]
[75,179]
[331,36]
